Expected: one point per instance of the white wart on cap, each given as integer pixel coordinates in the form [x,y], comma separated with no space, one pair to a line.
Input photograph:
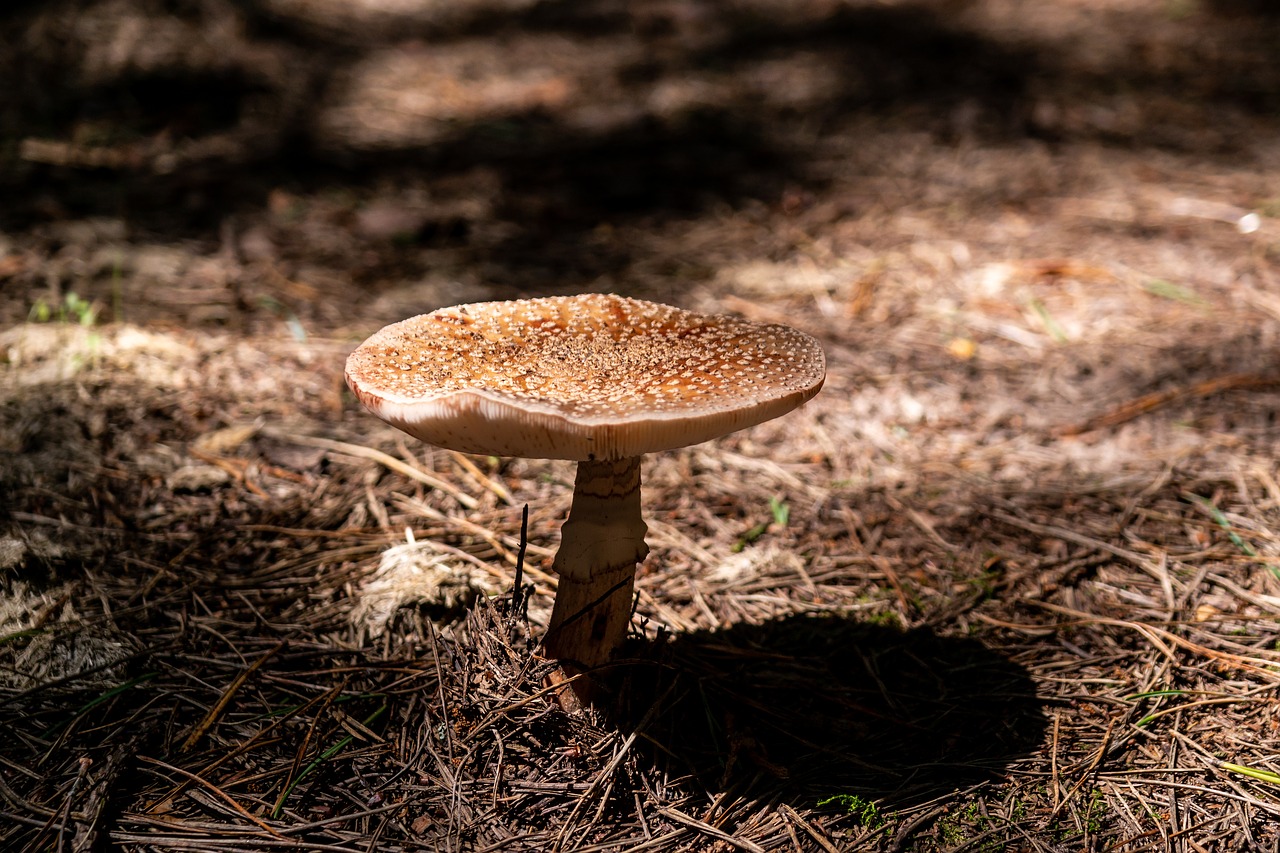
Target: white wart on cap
[595,376]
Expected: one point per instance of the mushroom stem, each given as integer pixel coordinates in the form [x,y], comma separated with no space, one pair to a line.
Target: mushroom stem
[600,545]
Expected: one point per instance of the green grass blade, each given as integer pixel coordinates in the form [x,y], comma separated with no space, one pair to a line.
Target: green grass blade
[1221,520]
[1252,772]
[320,759]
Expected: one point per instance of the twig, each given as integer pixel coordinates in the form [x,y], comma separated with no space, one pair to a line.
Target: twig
[1088,771]
[1132,409]
[1159,636]
[517,589]
[215,790]
[85,763]
[694,823]
[482,478]
[792,815]
[385,459]
[227,695]
[1080,539]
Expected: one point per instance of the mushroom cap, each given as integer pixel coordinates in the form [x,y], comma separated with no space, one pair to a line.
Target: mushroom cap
[595,376]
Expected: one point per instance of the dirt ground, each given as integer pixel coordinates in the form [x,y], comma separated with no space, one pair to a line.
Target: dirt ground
[1010,582]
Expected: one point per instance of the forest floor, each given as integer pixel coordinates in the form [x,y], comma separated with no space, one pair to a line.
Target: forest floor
[1010,582]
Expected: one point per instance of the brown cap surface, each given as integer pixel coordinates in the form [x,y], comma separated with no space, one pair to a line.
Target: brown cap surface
[596,376]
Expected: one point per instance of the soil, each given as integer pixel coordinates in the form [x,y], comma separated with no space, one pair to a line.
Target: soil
[1010,582]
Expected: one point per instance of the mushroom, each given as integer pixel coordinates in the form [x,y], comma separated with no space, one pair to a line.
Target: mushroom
[600,379]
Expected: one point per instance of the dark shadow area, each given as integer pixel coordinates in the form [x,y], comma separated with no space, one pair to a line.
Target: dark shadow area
[554,172]
[815,706]
[1244,8]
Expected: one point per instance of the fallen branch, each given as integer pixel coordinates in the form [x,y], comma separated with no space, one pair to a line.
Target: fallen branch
[1148,403]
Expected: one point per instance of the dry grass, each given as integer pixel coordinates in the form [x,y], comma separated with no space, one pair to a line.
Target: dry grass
[1011,582]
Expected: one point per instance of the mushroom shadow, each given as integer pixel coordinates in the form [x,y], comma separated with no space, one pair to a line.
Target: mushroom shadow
[807,707]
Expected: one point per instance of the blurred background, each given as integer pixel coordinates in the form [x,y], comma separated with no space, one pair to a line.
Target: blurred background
[227,163]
